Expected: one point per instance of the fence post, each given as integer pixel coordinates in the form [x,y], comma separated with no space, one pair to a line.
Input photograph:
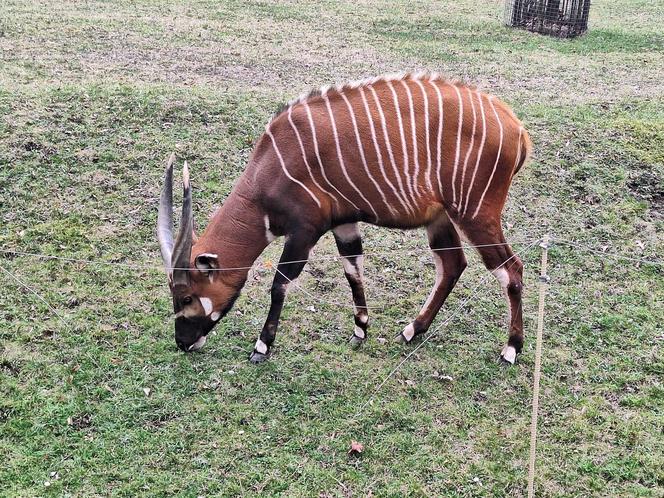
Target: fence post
[543,281]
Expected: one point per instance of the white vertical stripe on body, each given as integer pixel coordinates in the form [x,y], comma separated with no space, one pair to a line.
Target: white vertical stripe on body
[320,163]
[426,133]
[378,153]
[362,156]
[283,167]
[404,149]
[495,165]
[416,161]
[470,147]
[304,157]
[340,156]
[440,135]
[389,148]
[458,144]
[479,154]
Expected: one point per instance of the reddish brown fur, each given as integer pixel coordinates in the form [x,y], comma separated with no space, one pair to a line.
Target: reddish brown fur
[237,232]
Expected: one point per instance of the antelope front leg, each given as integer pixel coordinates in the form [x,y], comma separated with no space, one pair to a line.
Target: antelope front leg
[296,249]
[349,244]
[450,263]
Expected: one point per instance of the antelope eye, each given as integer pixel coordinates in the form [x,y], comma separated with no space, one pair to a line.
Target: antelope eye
[187,300]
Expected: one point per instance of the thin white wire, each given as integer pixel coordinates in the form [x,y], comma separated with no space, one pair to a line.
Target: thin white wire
[162,268]
[438,329]
[379,307]
[325,301]
[575,245]
[26,286]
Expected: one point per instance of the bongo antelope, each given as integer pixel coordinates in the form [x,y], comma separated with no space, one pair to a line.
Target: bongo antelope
[405,151]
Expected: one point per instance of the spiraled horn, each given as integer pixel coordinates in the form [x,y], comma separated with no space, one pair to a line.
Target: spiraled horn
[165,218]
[182,250]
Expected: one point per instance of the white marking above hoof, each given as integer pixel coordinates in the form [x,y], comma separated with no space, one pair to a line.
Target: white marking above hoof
[356,342]
[359,332]
[261,347]
[409,332]
[508,354]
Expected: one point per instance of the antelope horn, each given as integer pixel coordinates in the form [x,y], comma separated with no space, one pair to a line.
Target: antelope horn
[165,217]
[182,250]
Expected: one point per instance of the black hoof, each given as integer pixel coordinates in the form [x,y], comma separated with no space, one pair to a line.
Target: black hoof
[400,339]
[257,357]
[355,341]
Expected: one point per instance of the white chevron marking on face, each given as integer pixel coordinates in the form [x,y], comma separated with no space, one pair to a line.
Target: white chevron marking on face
[206,302]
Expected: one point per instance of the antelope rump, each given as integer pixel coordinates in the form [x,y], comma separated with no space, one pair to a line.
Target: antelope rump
[405,151]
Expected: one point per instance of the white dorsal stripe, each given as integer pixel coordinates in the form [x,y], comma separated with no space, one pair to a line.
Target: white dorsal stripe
[458,145]
[404,149]
[413,126]
[440,135]
[379,155]
[304,157]
[283,167]
[389,148]
[479,154]
[427,136]
[341,158]
[495,165]
[320,163]
[470,147]
[362,156]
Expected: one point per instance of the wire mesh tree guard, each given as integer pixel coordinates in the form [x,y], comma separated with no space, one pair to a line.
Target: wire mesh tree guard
[560,18]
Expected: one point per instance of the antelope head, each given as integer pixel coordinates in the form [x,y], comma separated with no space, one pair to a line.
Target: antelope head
[201,296]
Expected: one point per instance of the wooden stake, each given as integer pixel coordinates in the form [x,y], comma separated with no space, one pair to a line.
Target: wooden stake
[544,280]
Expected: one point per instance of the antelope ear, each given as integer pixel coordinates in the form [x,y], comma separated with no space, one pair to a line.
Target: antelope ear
[206,262]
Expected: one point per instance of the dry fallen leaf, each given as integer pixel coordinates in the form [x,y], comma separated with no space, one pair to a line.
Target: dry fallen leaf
[146,390]
[355,448]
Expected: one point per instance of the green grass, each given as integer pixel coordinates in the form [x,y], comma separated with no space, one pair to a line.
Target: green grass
[94,95]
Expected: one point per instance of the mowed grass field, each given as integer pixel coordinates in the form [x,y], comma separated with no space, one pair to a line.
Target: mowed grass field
[95,400]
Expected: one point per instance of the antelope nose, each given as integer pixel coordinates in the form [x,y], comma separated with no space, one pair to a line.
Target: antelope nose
[182,345]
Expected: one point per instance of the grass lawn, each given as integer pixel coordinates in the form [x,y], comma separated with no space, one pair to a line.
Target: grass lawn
[95,400]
